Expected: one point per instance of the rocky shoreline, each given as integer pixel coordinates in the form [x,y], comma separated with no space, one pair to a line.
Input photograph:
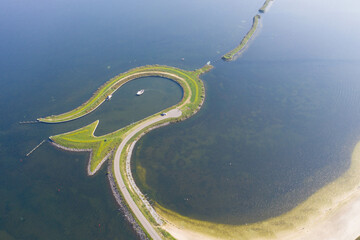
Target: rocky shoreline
[123,208]
[89,172]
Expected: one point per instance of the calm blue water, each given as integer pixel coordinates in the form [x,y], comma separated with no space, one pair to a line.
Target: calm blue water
[277,124]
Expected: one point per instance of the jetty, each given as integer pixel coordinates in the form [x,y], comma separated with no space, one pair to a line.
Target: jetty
[28,154]
[28,122]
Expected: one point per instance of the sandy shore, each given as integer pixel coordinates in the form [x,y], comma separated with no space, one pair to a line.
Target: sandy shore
[339,218]
[341,222]
[182,234]
[331,213]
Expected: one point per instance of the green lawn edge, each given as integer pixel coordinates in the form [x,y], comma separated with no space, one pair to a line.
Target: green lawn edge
[116,82]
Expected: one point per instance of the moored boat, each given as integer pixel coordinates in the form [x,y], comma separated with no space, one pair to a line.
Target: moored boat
[140,92]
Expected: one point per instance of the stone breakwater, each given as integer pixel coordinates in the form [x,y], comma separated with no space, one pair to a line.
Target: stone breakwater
[123,208]
[131,179]
[69,149]
[89,172]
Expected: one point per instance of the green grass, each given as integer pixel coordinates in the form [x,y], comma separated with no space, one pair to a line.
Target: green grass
[231,55]
[84,138]
[263,8]
[104,146]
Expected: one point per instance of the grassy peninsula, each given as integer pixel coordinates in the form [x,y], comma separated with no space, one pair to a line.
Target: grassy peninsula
[264,7]
[232,54]
[102,147]
[115,145]
[184,78]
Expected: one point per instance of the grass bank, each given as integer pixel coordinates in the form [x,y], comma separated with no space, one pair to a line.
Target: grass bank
[184,78]
[264,7]
[233,53]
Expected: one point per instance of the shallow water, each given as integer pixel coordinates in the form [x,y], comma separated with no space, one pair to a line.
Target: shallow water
[278,123]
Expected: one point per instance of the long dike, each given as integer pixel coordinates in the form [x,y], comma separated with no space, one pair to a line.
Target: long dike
[123,208]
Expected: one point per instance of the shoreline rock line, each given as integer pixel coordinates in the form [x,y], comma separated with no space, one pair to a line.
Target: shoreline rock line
[89,172]
[123,207]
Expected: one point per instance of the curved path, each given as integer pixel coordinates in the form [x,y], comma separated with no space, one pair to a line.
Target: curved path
[174,113]
[114,84]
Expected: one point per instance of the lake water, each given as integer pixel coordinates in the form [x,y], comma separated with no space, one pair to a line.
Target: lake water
[277,124]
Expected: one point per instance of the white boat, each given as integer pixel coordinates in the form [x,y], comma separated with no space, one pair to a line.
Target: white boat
[140,92]
[109,97]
